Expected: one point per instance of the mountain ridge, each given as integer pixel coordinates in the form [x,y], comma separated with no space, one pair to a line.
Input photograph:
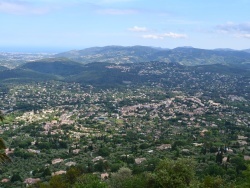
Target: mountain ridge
[134,54]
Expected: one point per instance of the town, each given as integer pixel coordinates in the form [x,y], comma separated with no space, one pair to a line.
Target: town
[52,126]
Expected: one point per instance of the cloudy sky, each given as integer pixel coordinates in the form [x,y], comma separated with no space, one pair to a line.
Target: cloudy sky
[77,24]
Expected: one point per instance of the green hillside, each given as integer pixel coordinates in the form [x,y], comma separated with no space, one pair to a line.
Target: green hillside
[54,66]
[20,75]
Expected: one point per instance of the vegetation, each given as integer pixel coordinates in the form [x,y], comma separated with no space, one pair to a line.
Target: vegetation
[3,157]
[168,174]
[149,124]
[1,116]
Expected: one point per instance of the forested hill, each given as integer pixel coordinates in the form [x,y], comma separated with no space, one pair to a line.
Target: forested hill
[110,74]
[55,66]
[135,54]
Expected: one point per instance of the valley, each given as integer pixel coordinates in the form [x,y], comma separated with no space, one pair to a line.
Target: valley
[64,116]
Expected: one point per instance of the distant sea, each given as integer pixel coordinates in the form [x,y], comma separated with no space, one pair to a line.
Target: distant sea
[36,49]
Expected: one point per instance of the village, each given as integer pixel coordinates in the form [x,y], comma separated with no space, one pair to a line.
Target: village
[56,125]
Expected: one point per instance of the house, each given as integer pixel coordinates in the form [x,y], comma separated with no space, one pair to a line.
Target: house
[5,180]
[104,176]
[246,157]
[97,158]
[140,160]
[70,163]
[55,161]
[185,151]
[58,172]
[164,146]
[30,181]
[9,151]
[76,151]
[197,144]
[202,133]
[224,160]
[242,142]
[33,151]
[242,137]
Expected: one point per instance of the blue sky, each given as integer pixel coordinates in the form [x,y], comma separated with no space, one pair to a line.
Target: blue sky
[77,24]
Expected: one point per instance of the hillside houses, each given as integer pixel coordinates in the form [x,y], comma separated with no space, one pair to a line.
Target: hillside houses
[103,129]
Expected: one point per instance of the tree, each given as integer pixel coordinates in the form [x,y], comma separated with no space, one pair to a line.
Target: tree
[46,172]
[1,116]
[136,181]
[101,165]
[119,178]
[246,174]
[175,173]
[104,152]
[219,157]
[239,163]
[16,177]
[89,181]
[58,181]
[3,157]
[213,182]
[72,174]
[214,170]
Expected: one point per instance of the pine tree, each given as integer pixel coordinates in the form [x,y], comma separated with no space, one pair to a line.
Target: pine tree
[3,157]
[1,116]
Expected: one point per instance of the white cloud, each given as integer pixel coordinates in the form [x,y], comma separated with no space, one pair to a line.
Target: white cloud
[21,7]
[138,29]
[152,37]
[11,6]
[240,30]
[117,11]
[182,22]
[231,27]
[174,35]
[244,36]
[165,35]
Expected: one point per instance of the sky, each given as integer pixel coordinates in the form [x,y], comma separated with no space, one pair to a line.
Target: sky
[60,25]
